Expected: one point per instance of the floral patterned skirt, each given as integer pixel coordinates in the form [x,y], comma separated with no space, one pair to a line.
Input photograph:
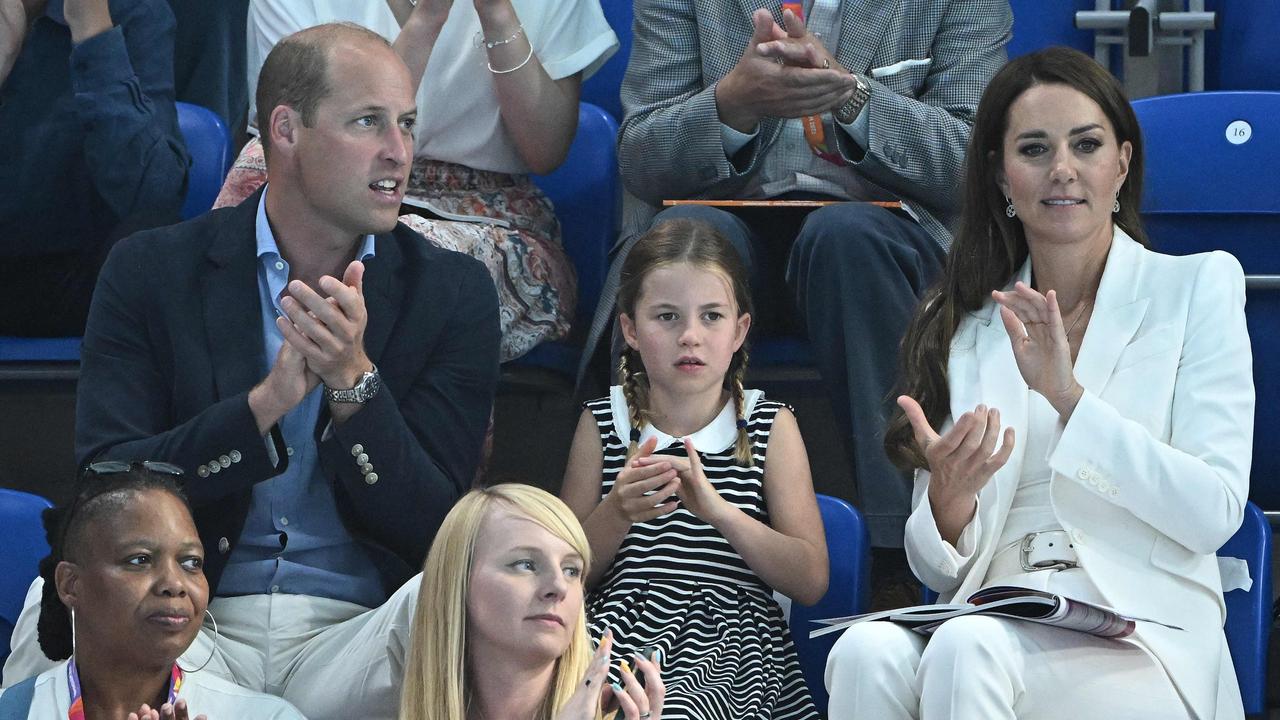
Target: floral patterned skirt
[537,288]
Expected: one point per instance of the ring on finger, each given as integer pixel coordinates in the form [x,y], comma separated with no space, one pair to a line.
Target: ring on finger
[645,715]
[777,60]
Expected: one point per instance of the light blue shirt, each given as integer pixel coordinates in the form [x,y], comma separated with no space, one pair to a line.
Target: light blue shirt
[293,539]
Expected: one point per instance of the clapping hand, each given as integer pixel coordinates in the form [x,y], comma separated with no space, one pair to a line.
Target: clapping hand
[175,711]
[696,493]
[1040,345]
[799,47]
[329,331]
[643,482]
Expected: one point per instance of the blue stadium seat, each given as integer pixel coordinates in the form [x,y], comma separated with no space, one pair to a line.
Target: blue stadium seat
[585,192]
[22,546]
[1038,24]
[1203,192]
[209,145]
[1249,611]
[847,591]
[1242,53]
[603,88]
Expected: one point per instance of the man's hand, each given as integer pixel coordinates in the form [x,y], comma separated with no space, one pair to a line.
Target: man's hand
[87,18]
[765,85]
[329,331]
[289,381]
[13,30]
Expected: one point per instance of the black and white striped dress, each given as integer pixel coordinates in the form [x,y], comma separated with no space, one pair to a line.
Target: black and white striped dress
[677,584]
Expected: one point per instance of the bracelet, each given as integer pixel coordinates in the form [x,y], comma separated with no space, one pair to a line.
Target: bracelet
[491,44]
[523,62]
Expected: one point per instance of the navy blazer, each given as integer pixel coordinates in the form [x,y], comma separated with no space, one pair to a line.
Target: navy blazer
[174,344]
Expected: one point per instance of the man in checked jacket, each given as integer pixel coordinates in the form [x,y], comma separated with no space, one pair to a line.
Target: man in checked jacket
[716,97]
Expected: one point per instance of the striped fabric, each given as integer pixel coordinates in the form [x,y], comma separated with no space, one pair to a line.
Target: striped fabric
[678,585]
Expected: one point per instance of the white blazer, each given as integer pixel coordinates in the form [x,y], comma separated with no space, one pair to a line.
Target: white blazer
[1151,473]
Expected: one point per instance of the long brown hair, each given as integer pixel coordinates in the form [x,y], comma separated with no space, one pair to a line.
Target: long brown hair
[989,247]
[701,245]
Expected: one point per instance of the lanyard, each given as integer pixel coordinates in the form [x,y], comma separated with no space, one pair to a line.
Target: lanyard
[77,701]
[814,132]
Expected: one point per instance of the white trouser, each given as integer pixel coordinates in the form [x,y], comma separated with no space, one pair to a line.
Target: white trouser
[987,668]
[331,659]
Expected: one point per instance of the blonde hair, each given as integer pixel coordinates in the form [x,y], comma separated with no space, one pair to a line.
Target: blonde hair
[436,683]
[701,245]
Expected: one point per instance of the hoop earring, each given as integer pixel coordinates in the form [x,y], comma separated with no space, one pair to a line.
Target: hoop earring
[1009,211]
[212,651]
[1116,207]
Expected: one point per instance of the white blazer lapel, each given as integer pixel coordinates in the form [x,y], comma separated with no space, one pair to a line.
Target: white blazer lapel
[1117,314]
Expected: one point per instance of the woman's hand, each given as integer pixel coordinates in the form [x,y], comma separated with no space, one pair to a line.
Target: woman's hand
[1040,345]
[584,704]
[637,702]
[175,711]
[695,492]
[642,482]
[960,461]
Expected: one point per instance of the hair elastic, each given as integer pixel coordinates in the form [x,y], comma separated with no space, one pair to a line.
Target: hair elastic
[742,423]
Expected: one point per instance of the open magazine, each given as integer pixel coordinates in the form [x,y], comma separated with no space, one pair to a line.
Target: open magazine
[1018,603]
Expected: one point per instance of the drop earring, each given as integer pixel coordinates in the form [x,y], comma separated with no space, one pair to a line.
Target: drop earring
[1008,209]
[1115,208]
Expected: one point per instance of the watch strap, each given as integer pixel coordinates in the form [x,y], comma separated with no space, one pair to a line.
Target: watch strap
[849,111]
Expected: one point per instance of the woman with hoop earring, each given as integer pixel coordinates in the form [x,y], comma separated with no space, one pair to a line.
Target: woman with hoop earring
[124,596]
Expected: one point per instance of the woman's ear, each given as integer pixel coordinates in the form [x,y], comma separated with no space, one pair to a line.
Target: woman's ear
[1126,154]
[66,578]
[1002,181]
[629,331]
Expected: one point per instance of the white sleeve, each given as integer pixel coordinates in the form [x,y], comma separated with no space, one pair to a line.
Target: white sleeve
[569,36]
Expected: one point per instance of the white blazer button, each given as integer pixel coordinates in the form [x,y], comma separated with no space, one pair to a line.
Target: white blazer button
[202,471]
[214,467]
[224,545]
[1114,491]
[371,478]
[1084,474]
[356,449]
[235,456]
[366,468]
[224,461]
[362,458]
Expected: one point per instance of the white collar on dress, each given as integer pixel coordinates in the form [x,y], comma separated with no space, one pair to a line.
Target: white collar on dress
[715,437]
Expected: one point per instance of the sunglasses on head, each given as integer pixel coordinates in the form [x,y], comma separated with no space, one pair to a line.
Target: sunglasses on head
[105,468]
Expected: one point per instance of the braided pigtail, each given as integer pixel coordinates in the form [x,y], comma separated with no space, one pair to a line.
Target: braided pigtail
[635,390]
[53,628]
[742,448]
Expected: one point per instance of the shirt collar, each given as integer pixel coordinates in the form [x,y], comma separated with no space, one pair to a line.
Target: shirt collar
[715,437]
[266,240]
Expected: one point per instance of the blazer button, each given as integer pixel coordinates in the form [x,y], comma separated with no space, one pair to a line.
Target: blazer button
[1084,474]
[366,468]
[225,461]
[371,478]
[224,545]
[362,458]
[214,467]
[235,456]
[202,471]
[356,450]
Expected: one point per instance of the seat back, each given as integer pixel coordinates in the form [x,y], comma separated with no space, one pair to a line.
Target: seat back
[605,86]
[585,192]
[847,590]
[1202,191]
[1249,611]
[22,546]
[209,145]
[1038,24]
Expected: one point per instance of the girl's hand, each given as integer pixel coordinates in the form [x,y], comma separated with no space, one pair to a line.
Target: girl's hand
[643,482]
[1040,344]
[961,461]
[637,702]
[584,704]
[695,492]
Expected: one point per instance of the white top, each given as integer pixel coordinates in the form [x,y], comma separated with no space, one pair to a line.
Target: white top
[714,437]
[458,112]
[205,693]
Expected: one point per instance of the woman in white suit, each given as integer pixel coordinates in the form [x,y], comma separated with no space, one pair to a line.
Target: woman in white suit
[1067,391]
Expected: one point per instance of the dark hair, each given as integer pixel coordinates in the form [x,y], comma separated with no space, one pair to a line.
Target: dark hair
[65,530]
[296,72]
[699,244]
[989,247]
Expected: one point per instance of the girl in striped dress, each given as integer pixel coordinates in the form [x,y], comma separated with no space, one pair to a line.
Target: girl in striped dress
[695,493]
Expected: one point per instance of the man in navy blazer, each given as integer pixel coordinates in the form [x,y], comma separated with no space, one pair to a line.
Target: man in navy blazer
[323,374]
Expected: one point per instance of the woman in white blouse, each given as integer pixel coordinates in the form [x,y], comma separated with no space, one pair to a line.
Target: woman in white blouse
[497,99]
[1093,405]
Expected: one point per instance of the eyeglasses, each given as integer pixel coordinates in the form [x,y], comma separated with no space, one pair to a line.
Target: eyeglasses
[118,467]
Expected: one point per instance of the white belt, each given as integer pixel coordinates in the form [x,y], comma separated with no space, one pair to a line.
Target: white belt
[1046,550]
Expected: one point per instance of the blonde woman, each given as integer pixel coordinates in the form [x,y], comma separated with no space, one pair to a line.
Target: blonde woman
[499,630]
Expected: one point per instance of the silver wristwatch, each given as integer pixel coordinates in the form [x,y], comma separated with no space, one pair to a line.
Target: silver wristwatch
[848,112]
[364,389]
